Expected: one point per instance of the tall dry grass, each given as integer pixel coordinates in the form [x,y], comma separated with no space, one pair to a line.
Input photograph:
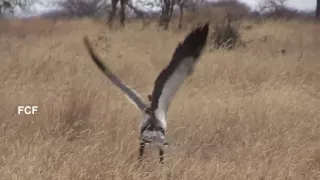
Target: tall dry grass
[250,113]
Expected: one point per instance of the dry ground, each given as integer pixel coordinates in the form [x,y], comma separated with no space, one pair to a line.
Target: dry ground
[252,113]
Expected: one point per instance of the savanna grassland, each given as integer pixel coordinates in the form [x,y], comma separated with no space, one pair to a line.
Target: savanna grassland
[249,113]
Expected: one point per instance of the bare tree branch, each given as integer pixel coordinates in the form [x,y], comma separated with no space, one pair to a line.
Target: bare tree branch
[318,9]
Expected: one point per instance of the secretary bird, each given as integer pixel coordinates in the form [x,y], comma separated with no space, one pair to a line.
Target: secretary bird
[153,126]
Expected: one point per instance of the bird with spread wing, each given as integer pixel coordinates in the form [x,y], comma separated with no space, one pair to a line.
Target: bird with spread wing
[154,123]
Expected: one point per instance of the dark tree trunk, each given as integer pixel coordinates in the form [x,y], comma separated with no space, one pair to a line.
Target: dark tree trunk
[181,14]
[114,3]
[113,11]
[318,9]
[123,4]
[166,13]
[169,16]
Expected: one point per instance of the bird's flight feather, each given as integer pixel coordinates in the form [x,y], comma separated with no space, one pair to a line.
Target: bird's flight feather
[180,67]
[131,94]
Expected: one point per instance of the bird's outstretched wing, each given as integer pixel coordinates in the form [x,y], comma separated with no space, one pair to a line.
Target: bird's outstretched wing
[180,67]
[131,94]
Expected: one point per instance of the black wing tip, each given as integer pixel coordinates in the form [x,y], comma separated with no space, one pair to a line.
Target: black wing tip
[87,43]
[93,55]
[204,28]
[200,34]
[195,41]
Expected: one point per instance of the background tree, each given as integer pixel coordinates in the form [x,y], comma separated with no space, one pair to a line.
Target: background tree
[5,6]
[84,8]
[181,4]
[24,7]
[272,5]
[123,4]
[9,5]
[166,12]
[318,9]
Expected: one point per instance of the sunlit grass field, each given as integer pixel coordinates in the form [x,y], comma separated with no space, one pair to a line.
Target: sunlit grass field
[249,113]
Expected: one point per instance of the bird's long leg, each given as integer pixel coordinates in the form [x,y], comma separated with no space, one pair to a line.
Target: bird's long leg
[163,144]
[141,150]
[161,154]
